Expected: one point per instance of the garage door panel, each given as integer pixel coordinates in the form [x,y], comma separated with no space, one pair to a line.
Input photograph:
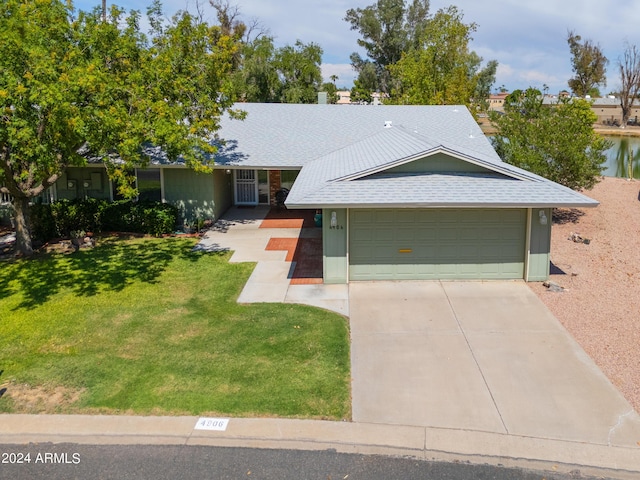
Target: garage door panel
[383,235]
[429,244]
[404,234]
[447,233]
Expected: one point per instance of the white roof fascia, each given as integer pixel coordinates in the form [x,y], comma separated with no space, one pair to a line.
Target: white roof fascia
[301,205]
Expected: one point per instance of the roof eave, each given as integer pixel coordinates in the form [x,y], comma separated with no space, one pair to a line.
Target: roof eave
[303,205]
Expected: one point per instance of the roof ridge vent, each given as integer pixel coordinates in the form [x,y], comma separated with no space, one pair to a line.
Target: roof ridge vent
[388,124]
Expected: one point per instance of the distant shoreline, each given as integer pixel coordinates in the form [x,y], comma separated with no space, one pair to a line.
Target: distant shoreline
[489,129]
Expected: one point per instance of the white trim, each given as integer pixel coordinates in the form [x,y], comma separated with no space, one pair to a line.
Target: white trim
[527,243]
[443,205]
[162,199]
[348,250]
[110,182]
[52,192]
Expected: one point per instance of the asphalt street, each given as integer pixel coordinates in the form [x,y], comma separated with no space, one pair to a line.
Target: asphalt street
[88,462]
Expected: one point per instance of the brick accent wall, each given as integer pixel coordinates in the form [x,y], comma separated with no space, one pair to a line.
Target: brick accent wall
[274,185]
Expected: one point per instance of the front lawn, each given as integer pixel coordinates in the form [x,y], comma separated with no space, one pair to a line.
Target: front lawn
[148,327]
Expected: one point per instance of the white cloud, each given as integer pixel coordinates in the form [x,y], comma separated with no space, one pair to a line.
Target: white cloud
[345,73]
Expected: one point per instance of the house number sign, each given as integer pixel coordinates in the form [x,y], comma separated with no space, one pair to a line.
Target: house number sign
[212,424]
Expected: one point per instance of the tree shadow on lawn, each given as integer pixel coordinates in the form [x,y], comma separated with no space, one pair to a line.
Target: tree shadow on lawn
[112,265]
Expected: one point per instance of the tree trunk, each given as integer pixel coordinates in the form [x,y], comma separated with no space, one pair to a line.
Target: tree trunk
[23,233]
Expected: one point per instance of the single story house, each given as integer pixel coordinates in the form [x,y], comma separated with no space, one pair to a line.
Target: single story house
[406,192]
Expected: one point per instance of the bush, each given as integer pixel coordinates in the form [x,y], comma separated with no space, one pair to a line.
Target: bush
[74,215]
[64,216]
[116,216]
[43,225]
[155,218]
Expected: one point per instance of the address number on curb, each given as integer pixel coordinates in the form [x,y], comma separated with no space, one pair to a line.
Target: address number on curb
[212,424]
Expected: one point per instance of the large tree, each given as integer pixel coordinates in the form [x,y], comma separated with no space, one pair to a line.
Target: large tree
[387,29]
[555,141]
[257,78]
[589,65]
[72,88]
[441,68]
[629,67]
[289,74]
[299,70]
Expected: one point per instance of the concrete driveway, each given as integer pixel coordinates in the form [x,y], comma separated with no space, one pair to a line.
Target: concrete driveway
[484,356]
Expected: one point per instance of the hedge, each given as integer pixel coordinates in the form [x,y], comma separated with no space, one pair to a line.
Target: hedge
[63,217]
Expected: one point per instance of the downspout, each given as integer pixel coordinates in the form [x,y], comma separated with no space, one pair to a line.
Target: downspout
[527,245]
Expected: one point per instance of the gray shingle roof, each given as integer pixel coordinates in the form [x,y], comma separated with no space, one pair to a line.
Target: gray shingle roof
[345,152]
[291,135]
[442,189]
[357,174]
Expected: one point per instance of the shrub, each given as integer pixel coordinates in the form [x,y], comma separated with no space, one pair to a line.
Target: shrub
[116,216]
[63,213]
[65,216]
[43,225]
[156,218]
[74,215]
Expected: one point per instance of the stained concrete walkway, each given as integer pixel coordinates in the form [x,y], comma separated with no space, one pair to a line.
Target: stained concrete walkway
[270,282]
[481,356]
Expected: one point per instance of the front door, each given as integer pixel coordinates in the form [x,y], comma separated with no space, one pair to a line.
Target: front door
[246,191]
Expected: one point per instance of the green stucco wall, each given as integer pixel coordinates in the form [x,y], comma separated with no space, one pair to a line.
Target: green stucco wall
[436,163]
[204,196]
[191,192]
[222,192]
[539,246]
[334,246]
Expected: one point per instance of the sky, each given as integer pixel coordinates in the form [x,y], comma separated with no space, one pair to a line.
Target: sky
[526,37]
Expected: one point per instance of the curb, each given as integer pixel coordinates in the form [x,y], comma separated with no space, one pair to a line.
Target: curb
[424,443]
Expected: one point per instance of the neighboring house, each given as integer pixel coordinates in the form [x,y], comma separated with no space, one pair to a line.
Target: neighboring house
[609,111]
[344,97]
[406,192]
[496,101]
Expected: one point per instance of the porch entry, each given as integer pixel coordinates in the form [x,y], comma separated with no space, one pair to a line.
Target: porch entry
[251,187]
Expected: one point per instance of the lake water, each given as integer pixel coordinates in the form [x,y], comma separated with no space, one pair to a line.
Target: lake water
[617,164]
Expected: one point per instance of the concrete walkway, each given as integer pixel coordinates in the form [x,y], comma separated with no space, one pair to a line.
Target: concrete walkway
[239,231]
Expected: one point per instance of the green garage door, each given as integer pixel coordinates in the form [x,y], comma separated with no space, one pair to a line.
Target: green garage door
[402,244]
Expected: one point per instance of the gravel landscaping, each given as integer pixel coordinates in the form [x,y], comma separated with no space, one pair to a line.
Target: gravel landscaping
[600,305]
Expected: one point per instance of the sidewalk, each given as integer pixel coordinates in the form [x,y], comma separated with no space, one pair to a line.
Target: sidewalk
[424,443]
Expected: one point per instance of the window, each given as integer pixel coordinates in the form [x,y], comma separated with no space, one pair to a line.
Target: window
[149,185]
[287,177]
[263,187]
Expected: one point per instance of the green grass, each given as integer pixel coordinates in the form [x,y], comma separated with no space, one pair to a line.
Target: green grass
[148,327]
